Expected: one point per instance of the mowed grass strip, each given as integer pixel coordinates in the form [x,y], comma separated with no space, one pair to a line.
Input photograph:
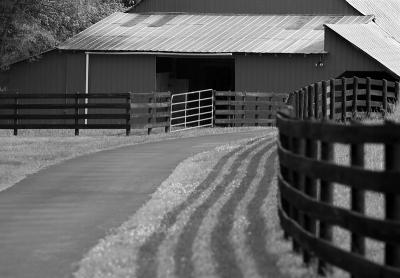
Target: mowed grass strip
[209,256]
[181,214]
[240,235]
[33,150]
[229,252]
[152,254]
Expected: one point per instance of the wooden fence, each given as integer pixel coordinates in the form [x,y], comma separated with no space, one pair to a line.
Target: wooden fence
[64,111]
[151,110]
[247,108]
[325,99]
[306,181]
[83,111]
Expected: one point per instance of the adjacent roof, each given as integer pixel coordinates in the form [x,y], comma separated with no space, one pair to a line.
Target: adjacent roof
[208,33]
[373,41]
[387,13]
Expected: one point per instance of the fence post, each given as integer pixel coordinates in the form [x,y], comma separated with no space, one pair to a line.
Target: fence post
[316,100]
[169,109]
[129,114]
[305,106]
[357,198]
[368,96]
[76,113]
[310,188]
[296,104]
[397,90]
[392,204]
[333,99]
[298,147]
[151,113]
[310,101]
[355,91]
[384,97]
[324,99]
[16,114]
[301,104]
[256,112]
[344,106]
[243,109]
[283,139]
[326,196]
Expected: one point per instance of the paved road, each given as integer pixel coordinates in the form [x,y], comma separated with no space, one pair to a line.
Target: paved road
[51,219]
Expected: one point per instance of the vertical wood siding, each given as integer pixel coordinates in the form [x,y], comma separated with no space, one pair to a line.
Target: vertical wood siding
[344,55]
[252,6]
[45,75]
[122,74]
[284,73]
[75,72]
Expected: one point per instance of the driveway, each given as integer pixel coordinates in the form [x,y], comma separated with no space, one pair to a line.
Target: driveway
[51,219]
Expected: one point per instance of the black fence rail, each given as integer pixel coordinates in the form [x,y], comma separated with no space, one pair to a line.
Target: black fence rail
[248,108]
[65,111]
[84,111]
[344,98]
[306,182]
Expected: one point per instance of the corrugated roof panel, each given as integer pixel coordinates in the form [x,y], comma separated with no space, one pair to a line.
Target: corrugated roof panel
[372,40]
[387,13]
[207,33]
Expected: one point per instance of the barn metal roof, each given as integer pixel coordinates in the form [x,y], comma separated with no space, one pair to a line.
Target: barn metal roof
[387,13]
[372,40]
[208,33]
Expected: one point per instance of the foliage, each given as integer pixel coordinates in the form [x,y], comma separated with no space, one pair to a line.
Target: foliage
[29,27]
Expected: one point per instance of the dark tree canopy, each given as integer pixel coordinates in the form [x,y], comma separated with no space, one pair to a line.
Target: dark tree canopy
[29,27]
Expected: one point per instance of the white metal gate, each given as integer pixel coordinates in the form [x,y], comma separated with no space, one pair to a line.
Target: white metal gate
[192,110]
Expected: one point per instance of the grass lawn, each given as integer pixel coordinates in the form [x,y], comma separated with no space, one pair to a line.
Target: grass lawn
[33,150]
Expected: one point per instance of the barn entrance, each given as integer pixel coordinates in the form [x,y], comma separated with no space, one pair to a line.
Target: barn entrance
[184,74]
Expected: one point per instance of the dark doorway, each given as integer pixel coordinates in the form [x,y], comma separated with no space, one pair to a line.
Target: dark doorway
[191,74]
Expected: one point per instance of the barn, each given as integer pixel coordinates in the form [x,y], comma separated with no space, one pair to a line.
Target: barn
[185,45]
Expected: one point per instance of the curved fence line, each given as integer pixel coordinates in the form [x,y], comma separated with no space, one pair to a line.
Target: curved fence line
[324,99]
[308,173]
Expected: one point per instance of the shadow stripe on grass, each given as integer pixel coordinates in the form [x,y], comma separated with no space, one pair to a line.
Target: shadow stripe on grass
[238,232]
[223,251]
[147,263]
[265,262]
[184,266]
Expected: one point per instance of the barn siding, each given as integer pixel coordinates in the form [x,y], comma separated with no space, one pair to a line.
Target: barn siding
[122,73]
[284,73]
[45,75]
[75,72]
[252,6]
[344,55]
[281,73]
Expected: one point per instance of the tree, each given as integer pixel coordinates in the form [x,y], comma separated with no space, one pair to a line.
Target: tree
[30,27]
